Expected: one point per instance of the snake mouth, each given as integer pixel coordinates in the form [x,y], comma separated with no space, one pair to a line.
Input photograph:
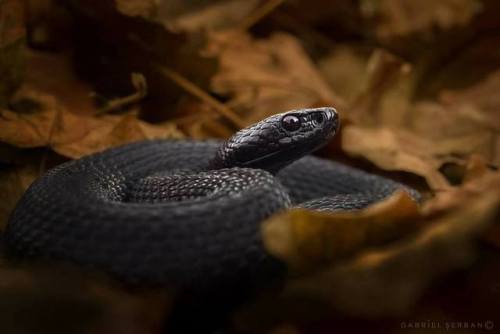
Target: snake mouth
[264,160]
[274,161]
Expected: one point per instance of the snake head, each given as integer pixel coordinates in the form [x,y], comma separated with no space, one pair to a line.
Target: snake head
[278,140]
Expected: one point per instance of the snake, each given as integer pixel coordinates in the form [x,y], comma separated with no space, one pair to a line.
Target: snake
[188,212]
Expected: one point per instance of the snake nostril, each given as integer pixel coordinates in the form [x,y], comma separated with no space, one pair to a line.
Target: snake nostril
[318,118]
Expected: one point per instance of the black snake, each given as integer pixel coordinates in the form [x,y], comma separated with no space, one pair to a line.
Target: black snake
[186,212]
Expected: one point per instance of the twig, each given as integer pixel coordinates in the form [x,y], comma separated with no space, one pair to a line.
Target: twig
[196,91]
[309,34]
[259,14]
[139,83]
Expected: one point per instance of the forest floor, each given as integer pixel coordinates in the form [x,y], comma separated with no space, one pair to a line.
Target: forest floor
[417,86]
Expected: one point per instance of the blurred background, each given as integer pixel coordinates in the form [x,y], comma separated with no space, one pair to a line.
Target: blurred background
[417,85]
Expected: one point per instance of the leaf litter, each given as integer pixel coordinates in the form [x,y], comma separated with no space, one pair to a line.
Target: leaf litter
[208,69]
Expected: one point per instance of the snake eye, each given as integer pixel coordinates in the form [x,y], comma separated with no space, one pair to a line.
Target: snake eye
[318,118]
[291,123]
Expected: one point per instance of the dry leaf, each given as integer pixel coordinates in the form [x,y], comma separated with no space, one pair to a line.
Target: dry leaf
[375,281]
[390,280]
[344,68]
[385,93]
[455,130]
[478,181]
[307,239]
[216,15]
[396,18]
[267,76]
[74,135]
[435,105]
[396,150]
[395,133]
[123,130]
[146,9]
[189,16]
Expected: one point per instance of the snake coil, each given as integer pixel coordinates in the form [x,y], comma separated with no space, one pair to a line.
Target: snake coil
[188,212]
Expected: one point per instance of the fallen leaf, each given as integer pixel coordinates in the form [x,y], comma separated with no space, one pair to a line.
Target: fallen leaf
[266,76]
[351,276]
[141,8]
[394,132]
[215,15]
[344,68]
[396,18]
[401,150]
[74,135]
[307,239]
[455,130]
[122,130]
[385,92]
[390,280]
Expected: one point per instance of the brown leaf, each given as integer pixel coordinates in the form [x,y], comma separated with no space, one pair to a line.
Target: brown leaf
[384,98]
[381,278]
[396,18]
[478,180]
[74,135]
[189,16]
[344,68]
[307,239]
[146,9]
[122,130]
[480,106]
[390,280]
[396,133]
[267,76]
[400,150]
[212,15]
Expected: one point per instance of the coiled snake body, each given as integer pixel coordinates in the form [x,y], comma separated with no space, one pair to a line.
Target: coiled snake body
[187,212]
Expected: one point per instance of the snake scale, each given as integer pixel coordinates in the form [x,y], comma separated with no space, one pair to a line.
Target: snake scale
[187,212]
